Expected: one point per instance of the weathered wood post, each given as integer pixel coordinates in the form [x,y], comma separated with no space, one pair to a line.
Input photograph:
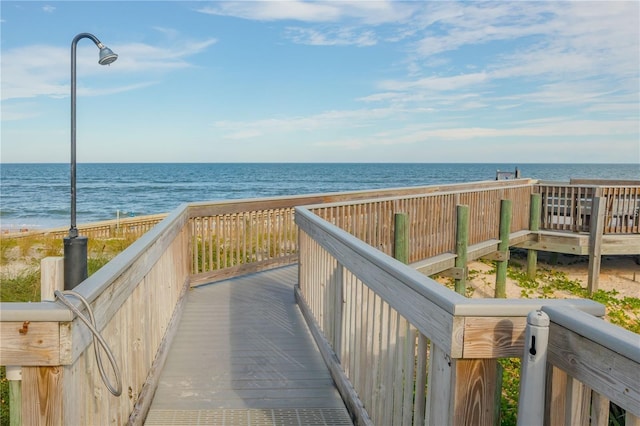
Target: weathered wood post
[14,376]
[462,243]
[401,237]
[51,277]
[24,397]
[503,249]
[596,230]
[535,211]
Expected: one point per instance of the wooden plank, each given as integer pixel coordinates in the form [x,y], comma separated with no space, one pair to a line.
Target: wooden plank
[554,247]
[475,389]
[42,395]
[599,410]
[29,343]
[243,269]
[51,277]
[555,396]
[579,403]
[256,349]
[436,264]
[421,381]
[602,369]
[493,337]
[440,402]
[620,244]
[145,396]
[595,243]
[349,395]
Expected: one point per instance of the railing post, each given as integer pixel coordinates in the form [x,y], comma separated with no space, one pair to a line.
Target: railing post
[462,243]
[534,370]
[51,277]
[535,211]
[595,242]
[401,237]
[503,249]
[461,391]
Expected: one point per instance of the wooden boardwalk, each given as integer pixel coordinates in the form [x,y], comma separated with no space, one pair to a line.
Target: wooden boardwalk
[243,356]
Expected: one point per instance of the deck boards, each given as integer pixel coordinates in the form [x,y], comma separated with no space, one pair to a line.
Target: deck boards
[243,352]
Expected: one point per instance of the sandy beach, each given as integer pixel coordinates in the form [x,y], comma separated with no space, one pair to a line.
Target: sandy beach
[618,274]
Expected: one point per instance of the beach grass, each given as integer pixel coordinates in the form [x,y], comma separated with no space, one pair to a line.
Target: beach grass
[24,286]
[20,278]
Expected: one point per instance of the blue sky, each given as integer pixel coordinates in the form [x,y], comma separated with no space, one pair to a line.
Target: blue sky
[300,81]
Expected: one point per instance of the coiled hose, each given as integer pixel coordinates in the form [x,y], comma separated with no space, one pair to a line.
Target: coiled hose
[97,339]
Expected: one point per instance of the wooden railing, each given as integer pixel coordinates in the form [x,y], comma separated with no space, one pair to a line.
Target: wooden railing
[115,228]
[243,236]
[432,217]
[390,313]
[622,212]
[134,299]
[569,207]
[401,347]
[591,364]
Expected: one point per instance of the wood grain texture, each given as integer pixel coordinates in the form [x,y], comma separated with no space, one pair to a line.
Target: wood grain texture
[243,343]
[42,396]
[476,383]
[600,368]
[29,343]
[493,337]
[373,269]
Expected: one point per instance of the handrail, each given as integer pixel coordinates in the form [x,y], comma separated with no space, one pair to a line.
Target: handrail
[93,286]
[617,339]
[113,228]
[568,206]
[350,314]
[361,258]
[594,360]
[157,266]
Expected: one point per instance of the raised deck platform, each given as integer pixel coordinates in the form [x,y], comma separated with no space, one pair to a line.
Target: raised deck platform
[243,356]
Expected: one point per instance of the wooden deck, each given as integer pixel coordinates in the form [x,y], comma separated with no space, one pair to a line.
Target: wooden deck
[243,355]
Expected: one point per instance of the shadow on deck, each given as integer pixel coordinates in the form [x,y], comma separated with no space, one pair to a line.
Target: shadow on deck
[243,355]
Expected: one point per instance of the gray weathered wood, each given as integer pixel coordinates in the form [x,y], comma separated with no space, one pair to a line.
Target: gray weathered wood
[535,210]
[242,343]
[604,357]
[595,242]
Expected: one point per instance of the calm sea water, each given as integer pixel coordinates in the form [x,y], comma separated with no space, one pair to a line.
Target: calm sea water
[36,196]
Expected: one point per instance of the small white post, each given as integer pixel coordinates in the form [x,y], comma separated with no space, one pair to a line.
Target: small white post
[533,370]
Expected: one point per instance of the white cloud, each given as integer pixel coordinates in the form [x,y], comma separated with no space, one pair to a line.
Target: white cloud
[328,119]
[276,10]
[365,12]
[42,70]
[48,8]
[334,37]
[541,131]
[437,83]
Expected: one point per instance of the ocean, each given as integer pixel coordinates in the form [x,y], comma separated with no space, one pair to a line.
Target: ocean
[37,196]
